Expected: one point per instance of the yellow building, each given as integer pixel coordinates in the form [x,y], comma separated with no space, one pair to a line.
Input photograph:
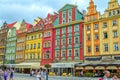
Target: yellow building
[101,33]
[91,33]
[110,31]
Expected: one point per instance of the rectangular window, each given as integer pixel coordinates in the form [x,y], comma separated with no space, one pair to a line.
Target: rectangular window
[34,45]
[30,56]
[115,33]
[96,37]
[88,27]
[76,52]
[48,44]
[89,49]
[48,34]
[88,37]
[70,41]
[38,45]
[31,46]
[39,35]
[96,48]
[63,30]
[116,48]
[57,42]
[106,47]
[69,53]
[105,35]
[76,40]
[63,53]
[69,29]
[95,26]
[76,28]
[57,54]
[114,22]
[63,41]
[57,31]
[105,24]
[45,45]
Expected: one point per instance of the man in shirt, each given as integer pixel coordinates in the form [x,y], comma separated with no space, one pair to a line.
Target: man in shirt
[106,75]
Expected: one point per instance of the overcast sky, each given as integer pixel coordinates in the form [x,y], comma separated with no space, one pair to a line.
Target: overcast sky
[16,10]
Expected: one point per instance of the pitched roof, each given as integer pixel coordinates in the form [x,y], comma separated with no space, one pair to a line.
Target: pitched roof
[29,26]
[11,25]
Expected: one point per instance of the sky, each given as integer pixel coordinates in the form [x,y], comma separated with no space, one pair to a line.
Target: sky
[17,10]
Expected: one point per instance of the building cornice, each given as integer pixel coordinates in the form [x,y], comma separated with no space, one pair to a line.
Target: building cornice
[67,24]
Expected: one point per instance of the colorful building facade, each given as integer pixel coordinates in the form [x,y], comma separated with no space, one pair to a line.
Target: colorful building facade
[11,44]
[92,33]
[47,40]
[33,50]
[21,38]
[68,34]
[3,37]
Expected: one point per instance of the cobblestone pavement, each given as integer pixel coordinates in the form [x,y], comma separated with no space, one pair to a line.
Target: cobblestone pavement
[27,77]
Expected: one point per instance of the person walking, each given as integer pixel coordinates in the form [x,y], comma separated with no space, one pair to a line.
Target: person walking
[11,73]
[106,75]
[5,75]
[38,76]
[1,73]
[114,77]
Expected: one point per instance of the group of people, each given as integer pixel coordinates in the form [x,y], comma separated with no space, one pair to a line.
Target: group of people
[6,73]
[40,74]
[107,75]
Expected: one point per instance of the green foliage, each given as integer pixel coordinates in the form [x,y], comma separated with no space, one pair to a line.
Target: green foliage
[88,74]
[47,66]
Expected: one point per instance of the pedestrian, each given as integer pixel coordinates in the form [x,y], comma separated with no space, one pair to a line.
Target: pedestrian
[1,73]
[5,75]
[106,75]
[114,77]
[11,73]
[81,73]
[38,76]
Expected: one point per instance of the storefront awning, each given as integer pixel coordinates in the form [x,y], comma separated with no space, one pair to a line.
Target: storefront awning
[28,65]
[111,67]
[100,68]
[64,65]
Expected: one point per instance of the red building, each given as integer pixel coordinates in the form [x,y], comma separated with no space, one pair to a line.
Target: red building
[68,36]
[47,40]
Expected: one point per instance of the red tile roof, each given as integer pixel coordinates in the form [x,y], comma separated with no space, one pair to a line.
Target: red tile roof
[11,25]
[29,26]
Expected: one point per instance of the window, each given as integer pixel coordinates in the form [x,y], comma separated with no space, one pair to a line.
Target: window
[76,52]
[70,20]
[35,37]
[64,15]
[48,34]
[113,12]
[76,40]
[105,24]
[31,46]
[63,30]
[95,26]
[69,53]
[57,42]
[57,31]
[88,27]
[26,56]
[34,45]
[114,22]
[69,29]
[38,55]
[70,13]
[45,44]
[38,45]
[118,12]
[39,35]
[88,37]
[115,33]
[96,37]
[34,56]
[32,37]
[63,41]
[109,13]
[48,44]
[70,41]
[105,35]
[30,56]
[105,47]
[63,53]
[89,49]
[76,28]
[96,48]
[57,54]
[116,47]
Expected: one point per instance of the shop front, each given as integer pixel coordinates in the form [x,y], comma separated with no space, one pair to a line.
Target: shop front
[61,68]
